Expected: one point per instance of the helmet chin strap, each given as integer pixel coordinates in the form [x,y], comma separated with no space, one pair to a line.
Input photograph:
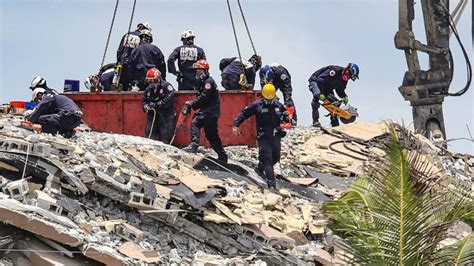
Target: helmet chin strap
[268,101]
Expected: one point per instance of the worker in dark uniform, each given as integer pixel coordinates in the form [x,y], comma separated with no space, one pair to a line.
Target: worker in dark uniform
[208,103]
[55,113]
[39,82]
[128,42]
[324,81]
[144,57]
[269,113]
[237,75]
[186,54]
[158,104]
[279,76]
[103,80]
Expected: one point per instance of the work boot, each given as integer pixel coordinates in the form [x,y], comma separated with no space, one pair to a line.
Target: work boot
[222,156]
[317,124]
[259,172]
[273,187]
[191,148]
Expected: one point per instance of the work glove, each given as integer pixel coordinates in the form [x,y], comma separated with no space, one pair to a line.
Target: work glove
[179,76]
[345,100]
[146,108]
[322,97]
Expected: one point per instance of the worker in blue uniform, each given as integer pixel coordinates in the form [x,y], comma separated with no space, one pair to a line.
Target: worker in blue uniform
[145,56]
[158,103]
[325,81]
[238,75]
[208,103]
[269,113]
[279,76]
[57,114]
[40,82]
[186,54]
[128,42]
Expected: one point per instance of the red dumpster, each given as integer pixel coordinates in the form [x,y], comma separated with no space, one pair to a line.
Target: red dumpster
[121,112]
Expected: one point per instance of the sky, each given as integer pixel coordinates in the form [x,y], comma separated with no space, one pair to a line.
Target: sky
[66,40]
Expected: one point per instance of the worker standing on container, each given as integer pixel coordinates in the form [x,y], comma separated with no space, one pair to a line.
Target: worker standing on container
[129,42]
[279,76]
[237,75]
[269,113]
[324,81]
[39,82]
[158,103]
[208,103]
[146,56]
[186,54]
[57,114]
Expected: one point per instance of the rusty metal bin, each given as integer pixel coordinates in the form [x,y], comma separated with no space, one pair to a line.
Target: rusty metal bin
[121,112]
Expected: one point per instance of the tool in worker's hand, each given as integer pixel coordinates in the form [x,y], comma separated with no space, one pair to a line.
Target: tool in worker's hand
[346,115]
[182,119]
[30,126]
[291,113]
[116,86]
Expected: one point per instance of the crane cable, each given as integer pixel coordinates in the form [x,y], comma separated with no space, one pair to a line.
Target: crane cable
[110,33]
[235,32]
[246,28]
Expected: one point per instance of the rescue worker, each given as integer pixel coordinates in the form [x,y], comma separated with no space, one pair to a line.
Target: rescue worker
[55,113]
[128,42]
[269,113]
[324,81]
[279,76]
[39,82]
[144,57]
[103,80]
[208,103]
[237,75]
[186,54]
[158,104]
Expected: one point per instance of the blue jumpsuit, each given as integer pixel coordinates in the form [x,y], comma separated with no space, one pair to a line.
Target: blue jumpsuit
[186,55]
[160,122]
[231,69]
[144,57]
[124,54]
[269,133]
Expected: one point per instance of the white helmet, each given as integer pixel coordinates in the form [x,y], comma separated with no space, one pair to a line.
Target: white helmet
[38,81]
[36,92]
[146,25]
[146,33]
[187,34]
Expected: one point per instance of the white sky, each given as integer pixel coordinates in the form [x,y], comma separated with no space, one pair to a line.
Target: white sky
[66,39]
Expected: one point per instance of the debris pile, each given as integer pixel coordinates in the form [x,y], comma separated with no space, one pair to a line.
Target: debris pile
[118,199]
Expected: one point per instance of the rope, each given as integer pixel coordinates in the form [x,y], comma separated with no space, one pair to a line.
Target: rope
[246,27]
[152,123]
[110,33]
[233,28]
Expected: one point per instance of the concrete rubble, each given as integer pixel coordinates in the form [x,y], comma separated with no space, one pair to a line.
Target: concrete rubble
[115,199]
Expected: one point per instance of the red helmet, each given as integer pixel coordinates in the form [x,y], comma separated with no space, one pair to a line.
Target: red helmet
[201,64]
[153,75]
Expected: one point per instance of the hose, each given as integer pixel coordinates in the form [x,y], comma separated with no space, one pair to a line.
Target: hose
[152,122]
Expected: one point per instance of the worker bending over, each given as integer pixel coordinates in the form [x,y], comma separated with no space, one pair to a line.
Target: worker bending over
[186,54]
[39,82]
[55,113]
[159,105]
[208,103]
[279,76]
[145,56]
[237,75]
[269,113]
[324,81]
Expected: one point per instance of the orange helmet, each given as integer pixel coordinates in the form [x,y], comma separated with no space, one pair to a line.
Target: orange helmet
[153,75]
[201,64]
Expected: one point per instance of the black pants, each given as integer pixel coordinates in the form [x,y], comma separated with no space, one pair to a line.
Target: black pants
[268,156]
[161,126]
[59,123]
[126,77]
[209,123]
[315,106]
[230,82]
[187,85]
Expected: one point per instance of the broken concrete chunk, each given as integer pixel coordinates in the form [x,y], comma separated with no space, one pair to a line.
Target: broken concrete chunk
[216,218]
[193,180]
[133,250]
[271,199]
[129,232]
[16,189]
[226,211]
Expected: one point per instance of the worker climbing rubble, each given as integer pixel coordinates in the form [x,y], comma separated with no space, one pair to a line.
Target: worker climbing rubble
[269,113]
[279,76]
[208,103]
[239,74]
[40,82]
[145,56]
[186,54]
[158,103]
[55,113]
[129,42]
[324,81]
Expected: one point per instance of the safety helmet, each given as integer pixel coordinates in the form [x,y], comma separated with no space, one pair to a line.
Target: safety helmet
[187,34]
[146,33]
[38,82]
[256,60]
[153,75]
[145,25]
[266,74]
[354,69]
[36,92]
[268,92]
[201,64]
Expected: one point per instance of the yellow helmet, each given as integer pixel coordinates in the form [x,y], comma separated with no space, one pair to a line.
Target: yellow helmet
[268,92]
